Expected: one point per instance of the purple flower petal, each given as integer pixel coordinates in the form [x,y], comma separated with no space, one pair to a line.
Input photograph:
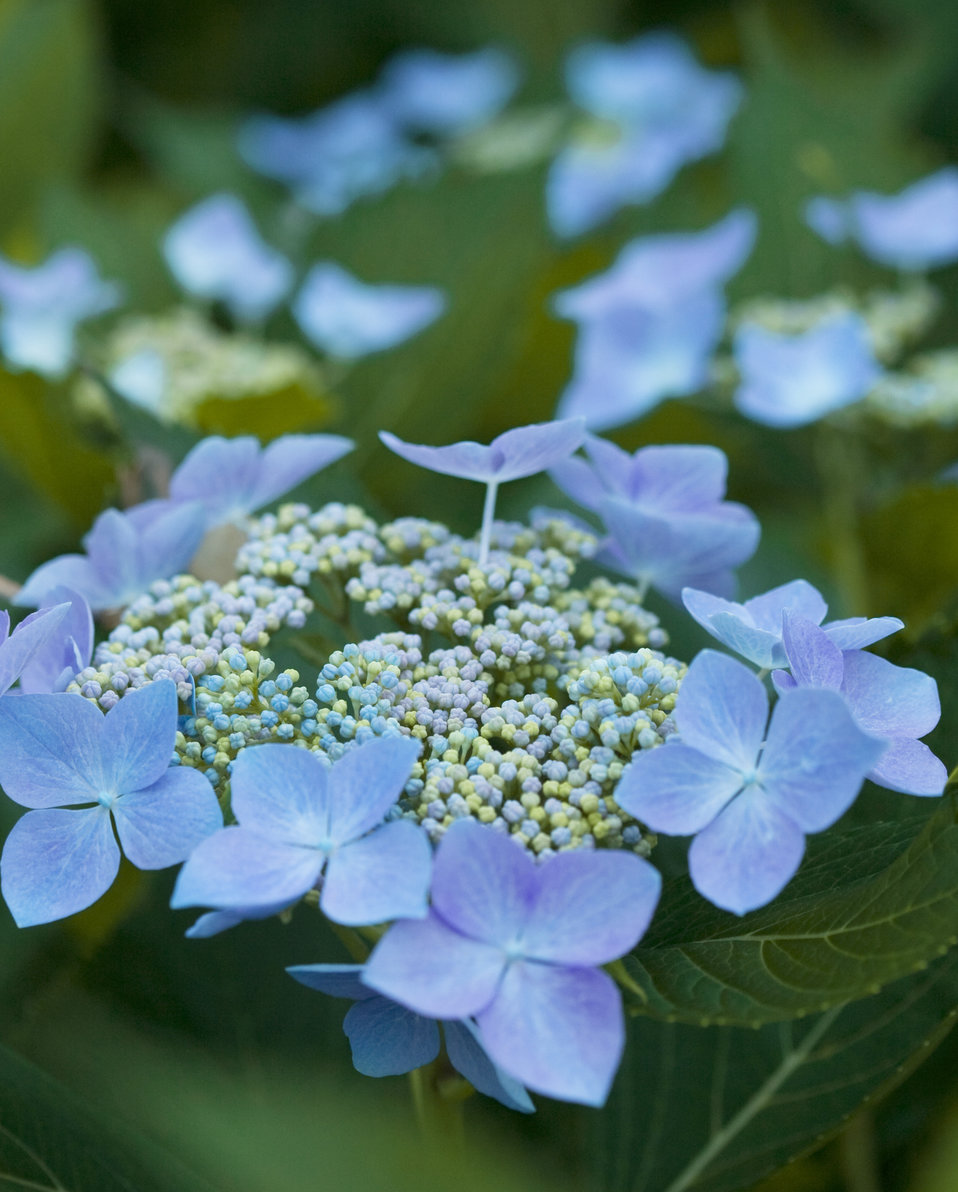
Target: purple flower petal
[432,969]
[747,854]
[590,907]
[281,793]
[813,658]
[33,634]
[815,758]
[533,1029]
[65,653]
[468,1057]
[676,789]
[365,782]
[888,700]
[56,863]
[50,750]
[483,884]
[386,1039]
[722,710]
[161,825]
[138,738]
[379,877]
[236,868]
[910,767]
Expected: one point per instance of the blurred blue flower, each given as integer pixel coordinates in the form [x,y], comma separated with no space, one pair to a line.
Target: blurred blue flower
[791,380]
[650,324]
[754,629]
[389,1040]
[64,651]
[18,650]
[916,229]
[86,775]
[663,110]
[42,307]
[142,378]
[299,818]
[445,94]
[215,252]
[344,317]
[232,478]
[749,797]
[348,150]
[125,553]
[665,512]
[517,944]
[895,703]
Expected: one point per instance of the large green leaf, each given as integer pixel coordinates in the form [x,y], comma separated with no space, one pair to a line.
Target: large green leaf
[716,1109]
[50,1142]
[853,921]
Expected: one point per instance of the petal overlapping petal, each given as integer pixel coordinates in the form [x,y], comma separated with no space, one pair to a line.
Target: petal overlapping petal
[161,825]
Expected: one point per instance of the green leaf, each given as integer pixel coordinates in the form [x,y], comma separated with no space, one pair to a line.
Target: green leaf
[49,96]
[853,921]
[50,1141]
[717,1109]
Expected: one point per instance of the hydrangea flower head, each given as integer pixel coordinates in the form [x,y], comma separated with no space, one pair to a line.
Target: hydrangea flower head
[446,94]
[516,945]
[387,1039]
[749,796]
[895,703]
[347,318]
[86,774]
[297,819]
[215,252]
[36,633]
[754,629]
[235,477]
[663,110]
[350,149]
[40,309]
[915,229]
[125,553]
[791,380]
[65,649]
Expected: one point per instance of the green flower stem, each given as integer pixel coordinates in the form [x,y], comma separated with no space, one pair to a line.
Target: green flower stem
[353,942]
[438,1094]
[842,472]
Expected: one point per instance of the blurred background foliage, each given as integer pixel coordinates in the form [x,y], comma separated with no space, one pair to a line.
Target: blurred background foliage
[169,1064]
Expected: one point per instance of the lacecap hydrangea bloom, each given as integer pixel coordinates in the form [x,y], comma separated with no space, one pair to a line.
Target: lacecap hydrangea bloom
[655,109]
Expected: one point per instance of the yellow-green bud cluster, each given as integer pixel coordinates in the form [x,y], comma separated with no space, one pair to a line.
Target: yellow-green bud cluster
[296,544]
[607,616]
[924,394]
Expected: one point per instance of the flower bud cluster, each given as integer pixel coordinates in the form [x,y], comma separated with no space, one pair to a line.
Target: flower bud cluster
[296,544]
[926,394]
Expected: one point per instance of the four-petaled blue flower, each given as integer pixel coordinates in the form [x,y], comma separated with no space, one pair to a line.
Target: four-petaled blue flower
[754,629]
[42,307]
[916,229]
[215,252]
[86,774]
[387,1039]
[895,703]
[125,553]
[298,819]
[662,110]
[650,324]
[516,944]
[749,796]
[232,478]
[791,380]
[347,318]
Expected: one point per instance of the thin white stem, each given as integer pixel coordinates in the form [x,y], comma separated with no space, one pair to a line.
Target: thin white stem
[488,514]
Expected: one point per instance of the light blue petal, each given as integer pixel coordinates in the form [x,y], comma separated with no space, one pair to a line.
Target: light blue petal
[677,479]
[447,94]
[590,907]
[830,218]
[888,700]
[676,789]
[56,863]
[291,459]
[813,658]
[215,922]
[281,792]
[34,634]
[527,450]
[747,855]
[389,1040]
[161,825]
[483,884]
[236,869]
[166,546]
[722,709]
[468,1057]
[815,758]
[50,750]
[365,782]
[532,1029]
[221,473]
[432,969]
[380,877]
[139,737]
[916,229]
[70,571]
[855,633]
[798,596]
[336,980]
[910,767]
[467,460]
[69,650]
